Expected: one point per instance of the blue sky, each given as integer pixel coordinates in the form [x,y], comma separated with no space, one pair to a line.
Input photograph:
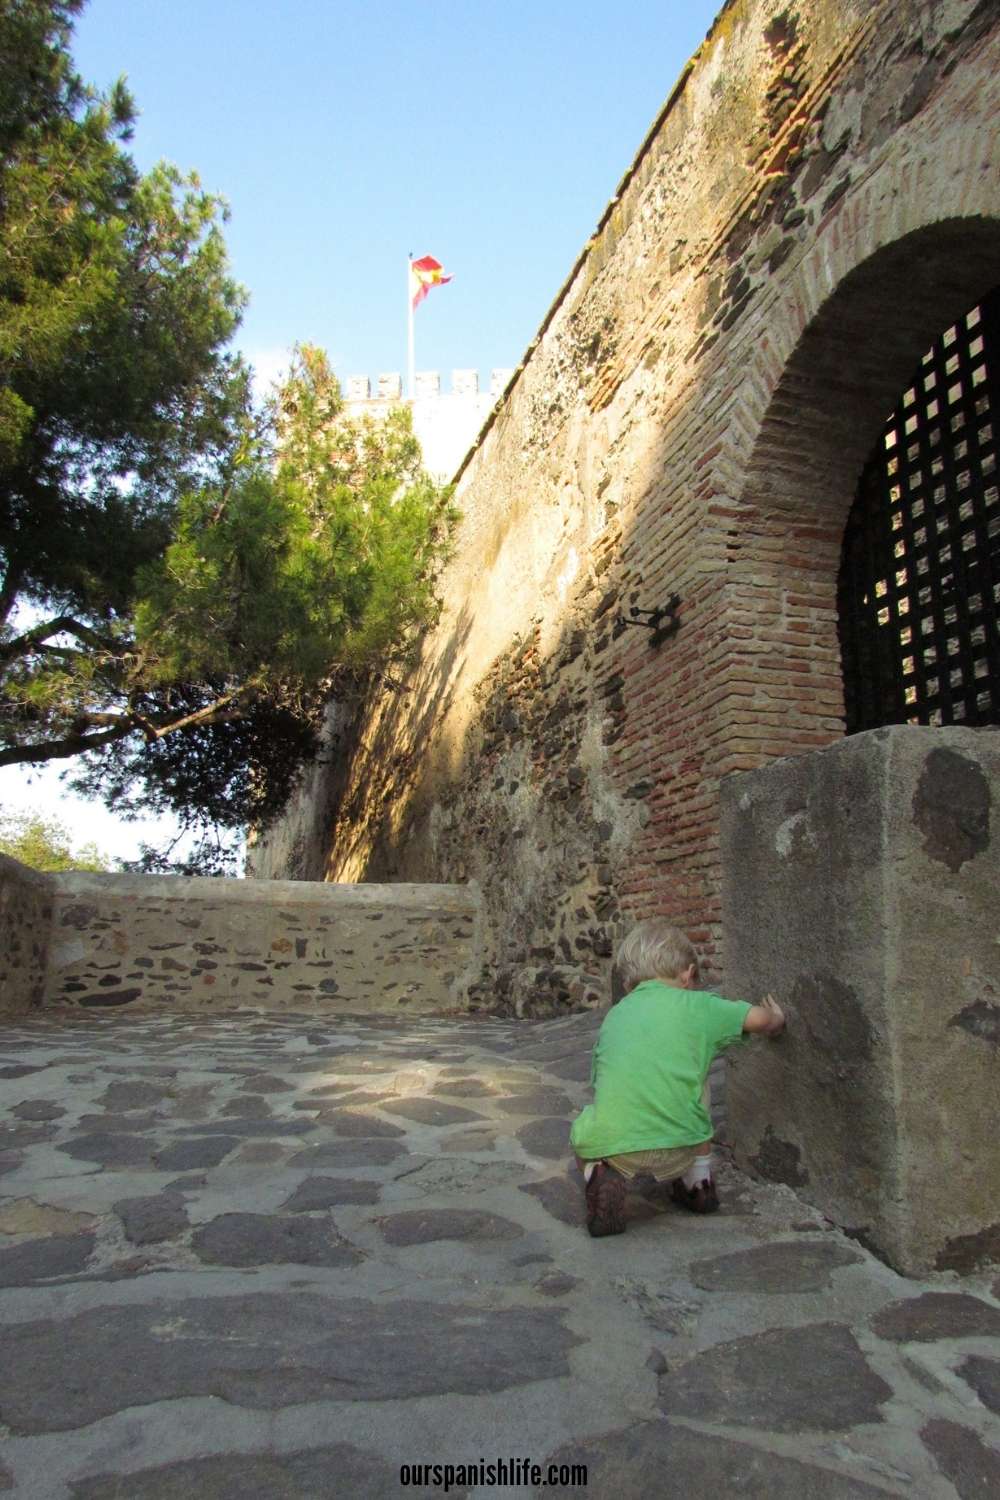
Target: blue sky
[345,134]
[348,133]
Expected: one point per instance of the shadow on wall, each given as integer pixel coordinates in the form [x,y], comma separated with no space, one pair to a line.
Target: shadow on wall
[26,905]
[392,734]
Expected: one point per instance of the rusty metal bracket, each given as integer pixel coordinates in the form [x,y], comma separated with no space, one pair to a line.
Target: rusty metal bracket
[654,620]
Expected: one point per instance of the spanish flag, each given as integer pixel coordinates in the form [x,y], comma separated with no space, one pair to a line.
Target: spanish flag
[425,273]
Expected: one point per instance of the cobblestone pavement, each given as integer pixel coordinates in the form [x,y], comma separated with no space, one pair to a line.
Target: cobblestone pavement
[261,1256]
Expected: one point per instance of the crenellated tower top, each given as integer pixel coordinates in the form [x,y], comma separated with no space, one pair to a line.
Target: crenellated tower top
[446,423]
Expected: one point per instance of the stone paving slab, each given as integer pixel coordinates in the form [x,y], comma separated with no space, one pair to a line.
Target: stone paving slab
[281,1256]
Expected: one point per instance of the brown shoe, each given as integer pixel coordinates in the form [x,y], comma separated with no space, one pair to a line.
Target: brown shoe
[702,1199]
[605,1202]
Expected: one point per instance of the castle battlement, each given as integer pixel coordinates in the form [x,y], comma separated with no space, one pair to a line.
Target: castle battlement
[446,423]
[427,383]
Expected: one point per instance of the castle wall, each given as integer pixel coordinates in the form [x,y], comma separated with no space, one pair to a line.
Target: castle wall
[296,844]
[445,423]
[817,200]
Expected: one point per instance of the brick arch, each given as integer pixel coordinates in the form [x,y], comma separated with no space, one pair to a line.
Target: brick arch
[932,210]
[852,360]
[856,318]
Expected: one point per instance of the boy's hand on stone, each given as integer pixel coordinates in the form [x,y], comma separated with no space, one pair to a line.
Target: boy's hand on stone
[766,1019]
[771,1005]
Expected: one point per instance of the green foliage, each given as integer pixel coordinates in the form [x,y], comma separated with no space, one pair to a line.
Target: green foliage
[309,571]
[323,556]
[44,844]
[183,579]
[115,306]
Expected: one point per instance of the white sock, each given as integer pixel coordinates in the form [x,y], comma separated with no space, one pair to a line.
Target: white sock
[699,1171]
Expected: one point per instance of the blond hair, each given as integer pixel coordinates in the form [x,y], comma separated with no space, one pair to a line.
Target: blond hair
[654,950]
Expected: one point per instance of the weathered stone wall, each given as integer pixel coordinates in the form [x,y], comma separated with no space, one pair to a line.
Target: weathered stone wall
[818,199]
[861,888]
[154,941]
[280,945]
[25,918]
[294,847]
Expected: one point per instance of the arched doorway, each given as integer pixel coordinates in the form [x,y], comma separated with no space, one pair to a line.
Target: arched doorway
[860,881]
[918,595]
[819,422]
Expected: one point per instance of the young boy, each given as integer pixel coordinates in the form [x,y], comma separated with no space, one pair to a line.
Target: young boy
[653,1052]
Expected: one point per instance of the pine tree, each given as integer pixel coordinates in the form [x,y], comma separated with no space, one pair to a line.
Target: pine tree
[183,577]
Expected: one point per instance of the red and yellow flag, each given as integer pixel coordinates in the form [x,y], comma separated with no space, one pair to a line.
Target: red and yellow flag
[425,273]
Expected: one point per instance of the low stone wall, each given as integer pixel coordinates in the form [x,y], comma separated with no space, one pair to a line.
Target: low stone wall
[100,941]
[861,888]
[171,942]
[25,918]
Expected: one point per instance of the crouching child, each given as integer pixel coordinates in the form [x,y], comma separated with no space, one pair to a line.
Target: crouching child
[650,1115]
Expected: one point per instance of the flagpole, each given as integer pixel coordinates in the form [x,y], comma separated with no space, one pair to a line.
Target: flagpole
[409,311]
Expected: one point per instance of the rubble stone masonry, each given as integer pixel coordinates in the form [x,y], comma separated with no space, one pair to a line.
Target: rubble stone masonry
[108,943]
[26,900]
[817,200]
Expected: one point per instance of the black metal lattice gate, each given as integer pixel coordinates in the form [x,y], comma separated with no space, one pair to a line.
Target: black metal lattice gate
[919,588]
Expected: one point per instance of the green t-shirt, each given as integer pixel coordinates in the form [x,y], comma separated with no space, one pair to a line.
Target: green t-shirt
[652,1056]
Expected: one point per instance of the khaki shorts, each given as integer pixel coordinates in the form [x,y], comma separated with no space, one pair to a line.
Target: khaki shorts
[663,1165]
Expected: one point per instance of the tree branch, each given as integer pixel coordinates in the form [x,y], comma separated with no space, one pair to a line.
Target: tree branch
[68,653]
[34,637]
[213,713]
[75,744]
[223,711]
[100,721]
[9,592]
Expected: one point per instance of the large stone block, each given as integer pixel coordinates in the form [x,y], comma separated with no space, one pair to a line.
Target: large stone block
[860,886]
